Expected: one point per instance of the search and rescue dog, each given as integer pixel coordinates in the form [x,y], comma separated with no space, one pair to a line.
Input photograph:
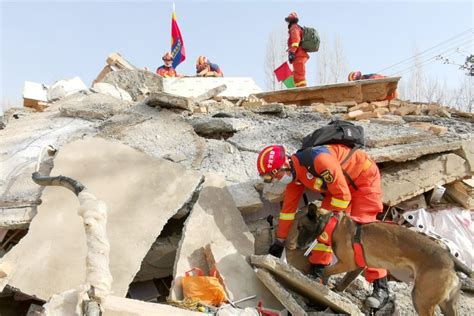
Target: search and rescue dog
[394,248]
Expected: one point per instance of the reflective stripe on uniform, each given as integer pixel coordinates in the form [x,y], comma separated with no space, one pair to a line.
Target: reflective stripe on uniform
[295,45]
[367,165]
[300,83]
[339,203]
[318,183]
[287,216]
[322,247]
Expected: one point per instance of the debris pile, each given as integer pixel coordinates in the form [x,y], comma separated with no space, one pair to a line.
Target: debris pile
[175,166]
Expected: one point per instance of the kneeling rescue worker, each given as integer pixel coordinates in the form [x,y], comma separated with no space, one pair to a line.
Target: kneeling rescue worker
[354,188]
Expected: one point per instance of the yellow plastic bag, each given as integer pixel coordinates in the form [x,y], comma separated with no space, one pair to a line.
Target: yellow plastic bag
[206,289]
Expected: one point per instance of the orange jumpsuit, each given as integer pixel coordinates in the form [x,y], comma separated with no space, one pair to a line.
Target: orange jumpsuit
[362,204]
[166,72]
[301,56]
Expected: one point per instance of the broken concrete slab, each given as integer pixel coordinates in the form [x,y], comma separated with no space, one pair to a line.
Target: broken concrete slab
[117,60]
[20,144]
[359,91]
[114,91]
[169,101]
[245,196]
[270,108]
[210,93]
[231,243]
[262,234]
[237,87]
[403,181]
[296,281]
[120,306]
[159,261]
[138,83]
[406,152]
[280,292]
[467,152]
[63,88]
[213,127]
[17,217]
[93,106]
[141,194]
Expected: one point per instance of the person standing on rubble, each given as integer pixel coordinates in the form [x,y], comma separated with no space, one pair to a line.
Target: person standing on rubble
[204,68]
[297,56]
[354,189]
[167,69]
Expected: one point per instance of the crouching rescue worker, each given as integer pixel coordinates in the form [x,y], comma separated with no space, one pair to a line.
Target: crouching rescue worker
[351,186]
[167,69]
[296,54]
[204,68]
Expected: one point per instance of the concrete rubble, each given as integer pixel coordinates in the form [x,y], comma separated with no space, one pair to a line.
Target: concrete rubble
[174,160]
[151,187]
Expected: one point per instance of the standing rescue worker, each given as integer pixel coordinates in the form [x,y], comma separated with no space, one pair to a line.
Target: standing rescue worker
[357,75]
[167,69]
[204,68]
[296,54]
[358,193]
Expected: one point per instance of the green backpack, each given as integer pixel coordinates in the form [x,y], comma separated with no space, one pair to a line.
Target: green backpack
[310,41]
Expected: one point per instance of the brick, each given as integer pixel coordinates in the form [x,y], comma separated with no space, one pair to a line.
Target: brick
[382,111]
[380,104]
[368,115]
[353,114]
[405,110]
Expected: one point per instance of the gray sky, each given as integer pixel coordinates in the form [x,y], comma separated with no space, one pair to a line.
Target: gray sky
[48,41]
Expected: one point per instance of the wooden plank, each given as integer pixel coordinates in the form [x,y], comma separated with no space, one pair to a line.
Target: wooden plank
[359,91]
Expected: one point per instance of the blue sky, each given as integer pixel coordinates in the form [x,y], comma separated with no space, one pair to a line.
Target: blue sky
[48,41]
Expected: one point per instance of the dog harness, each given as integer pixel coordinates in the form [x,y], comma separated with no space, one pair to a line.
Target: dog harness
[358,249]
[326,238]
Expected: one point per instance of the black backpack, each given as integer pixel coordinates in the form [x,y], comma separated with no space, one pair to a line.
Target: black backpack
[336,132]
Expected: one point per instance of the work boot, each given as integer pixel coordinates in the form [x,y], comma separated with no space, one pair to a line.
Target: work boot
[316,273]
[380,296]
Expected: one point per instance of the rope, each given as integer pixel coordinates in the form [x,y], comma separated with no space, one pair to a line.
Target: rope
[94,215]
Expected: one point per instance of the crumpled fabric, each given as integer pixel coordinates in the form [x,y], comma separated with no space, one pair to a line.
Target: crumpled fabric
[453,226]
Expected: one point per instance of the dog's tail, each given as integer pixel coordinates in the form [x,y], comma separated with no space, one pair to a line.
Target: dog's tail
[461,267]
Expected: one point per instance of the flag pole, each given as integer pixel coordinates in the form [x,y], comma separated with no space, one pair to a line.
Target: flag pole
[174,8]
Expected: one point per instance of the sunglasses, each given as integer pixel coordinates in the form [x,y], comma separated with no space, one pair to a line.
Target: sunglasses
[268,177]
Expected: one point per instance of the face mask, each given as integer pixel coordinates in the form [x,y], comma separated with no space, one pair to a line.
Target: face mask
[286,179]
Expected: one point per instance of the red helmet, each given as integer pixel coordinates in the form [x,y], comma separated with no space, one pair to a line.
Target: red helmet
[354,75]
[270,160]
[292,17]
[167,57]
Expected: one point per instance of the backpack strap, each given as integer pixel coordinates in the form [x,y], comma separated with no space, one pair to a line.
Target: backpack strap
[346,159]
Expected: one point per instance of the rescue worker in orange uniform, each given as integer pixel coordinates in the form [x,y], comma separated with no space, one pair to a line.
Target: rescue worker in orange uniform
[357,75]
[204,68]
[167,69]
[296,54]
[360,198]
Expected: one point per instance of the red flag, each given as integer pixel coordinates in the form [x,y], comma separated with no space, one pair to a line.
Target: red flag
[284,73]
[177,45]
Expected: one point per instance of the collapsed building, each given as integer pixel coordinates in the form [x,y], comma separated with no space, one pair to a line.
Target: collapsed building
[174,161]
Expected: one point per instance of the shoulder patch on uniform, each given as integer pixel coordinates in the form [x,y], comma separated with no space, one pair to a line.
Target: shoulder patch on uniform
[327,176]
